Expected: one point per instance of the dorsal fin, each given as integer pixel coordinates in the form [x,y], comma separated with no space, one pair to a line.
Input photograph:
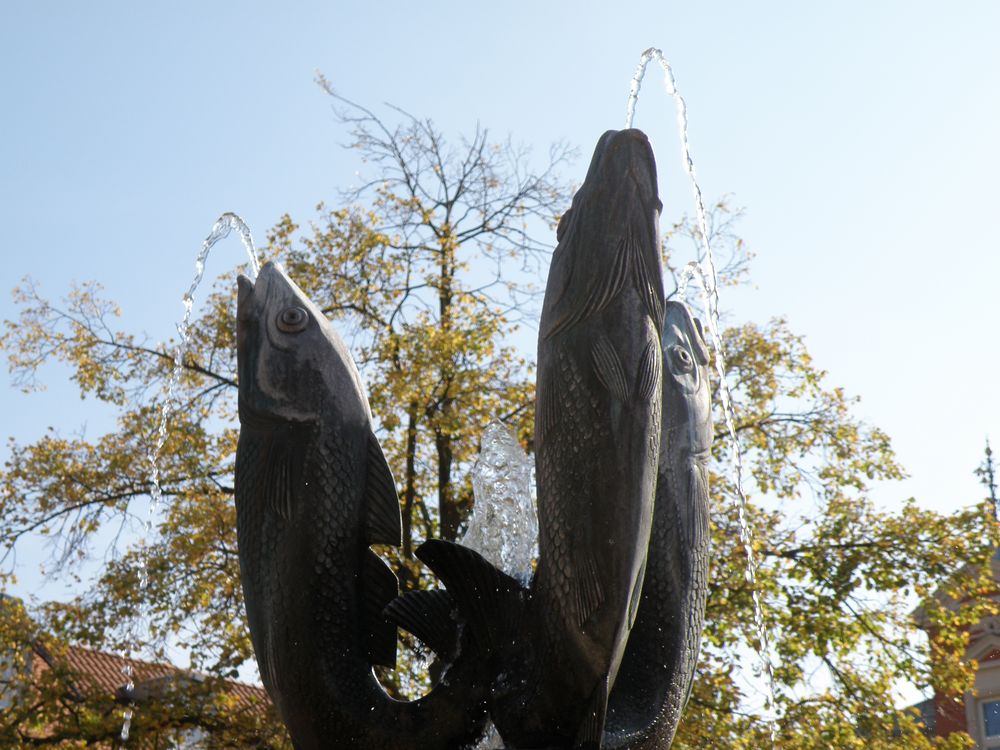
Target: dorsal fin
[429,616]
[378,587]
[490,600]
[383,522]
[609,370]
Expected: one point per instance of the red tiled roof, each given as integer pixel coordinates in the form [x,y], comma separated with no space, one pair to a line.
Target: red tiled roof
[104,672]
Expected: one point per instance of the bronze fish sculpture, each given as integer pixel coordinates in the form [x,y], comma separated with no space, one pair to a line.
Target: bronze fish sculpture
[555,649]
[313,492]
[656,673]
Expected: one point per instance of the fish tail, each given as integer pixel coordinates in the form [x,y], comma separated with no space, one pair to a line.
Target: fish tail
[490,600]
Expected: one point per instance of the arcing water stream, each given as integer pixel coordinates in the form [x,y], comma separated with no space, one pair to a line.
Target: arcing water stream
[507,463]
[709,283]
[223,226]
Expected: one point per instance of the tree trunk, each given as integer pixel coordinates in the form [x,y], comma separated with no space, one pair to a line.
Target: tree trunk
[448,508]
[410,480]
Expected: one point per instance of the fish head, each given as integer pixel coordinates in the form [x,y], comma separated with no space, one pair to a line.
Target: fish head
[292,364]
[609,239]
[687,396]
[620,188]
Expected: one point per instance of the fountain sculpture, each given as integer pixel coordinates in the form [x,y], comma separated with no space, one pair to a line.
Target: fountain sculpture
[598,648]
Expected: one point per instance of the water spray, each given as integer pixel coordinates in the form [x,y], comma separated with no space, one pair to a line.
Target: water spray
[707,277]
[220,230]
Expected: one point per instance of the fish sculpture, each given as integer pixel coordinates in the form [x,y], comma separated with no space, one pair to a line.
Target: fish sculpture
[313,492]
[555,648]
[656,673]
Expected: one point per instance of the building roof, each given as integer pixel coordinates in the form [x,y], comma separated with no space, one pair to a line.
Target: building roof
[103,672]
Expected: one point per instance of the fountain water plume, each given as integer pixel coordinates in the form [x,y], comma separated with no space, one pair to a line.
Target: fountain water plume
[220,230]
[504,524]
[709,283]
[503,527]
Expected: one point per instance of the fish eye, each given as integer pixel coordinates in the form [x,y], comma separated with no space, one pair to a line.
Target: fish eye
[292,320]
[681,359]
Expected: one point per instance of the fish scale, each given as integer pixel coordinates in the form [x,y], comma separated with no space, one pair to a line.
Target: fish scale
[313,492]
[658,667]
[578,427]
[599,376]
[555,649]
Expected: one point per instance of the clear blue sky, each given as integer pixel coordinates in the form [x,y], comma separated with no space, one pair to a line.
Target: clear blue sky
[860,136]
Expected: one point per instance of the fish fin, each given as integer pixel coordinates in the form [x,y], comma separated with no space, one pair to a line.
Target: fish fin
[548,404]
[383,521]
[697,508]
[698,343]
[648,282]
[605,288]
[591,732]
[698,531]
[379,587]
[489,599]
[265,665]
[283,459]
[273,488]
[633,607]
[428,616]
[649,382]
[609,370]
[588,594]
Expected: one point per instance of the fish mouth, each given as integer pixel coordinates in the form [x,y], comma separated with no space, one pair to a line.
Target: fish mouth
[627,153]
[250,299]
[691,336]
[622,176]
[244,301]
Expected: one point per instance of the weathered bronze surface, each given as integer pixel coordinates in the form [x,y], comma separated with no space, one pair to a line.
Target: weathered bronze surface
[600,649]
[655,677]
[313,491]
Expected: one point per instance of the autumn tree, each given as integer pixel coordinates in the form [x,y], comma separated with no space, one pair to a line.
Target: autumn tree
[433,263]
[839,577]
[428,268]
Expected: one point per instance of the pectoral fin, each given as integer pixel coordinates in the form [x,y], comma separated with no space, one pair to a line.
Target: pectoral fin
[283,456]
[648,380]
[695,526]
[588,594]
[609,370]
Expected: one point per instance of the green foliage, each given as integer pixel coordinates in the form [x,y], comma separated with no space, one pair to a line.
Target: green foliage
[428,270]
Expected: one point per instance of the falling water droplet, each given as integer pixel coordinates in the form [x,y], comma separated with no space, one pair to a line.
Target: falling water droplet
[220,230]
[126,725]
[709,282]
